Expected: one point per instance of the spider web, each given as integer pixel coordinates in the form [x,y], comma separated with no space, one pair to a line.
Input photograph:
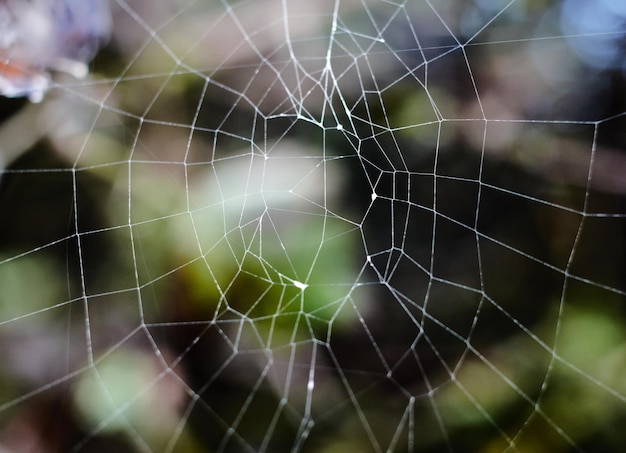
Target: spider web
[324,226]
